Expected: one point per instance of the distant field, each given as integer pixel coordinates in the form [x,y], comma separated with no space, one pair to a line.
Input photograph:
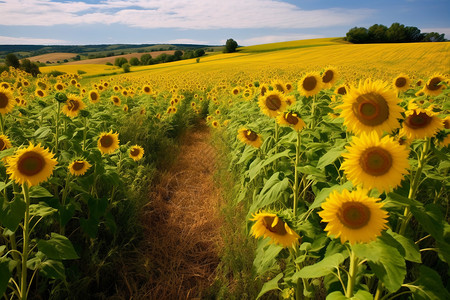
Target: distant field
[52,57]
[111,59]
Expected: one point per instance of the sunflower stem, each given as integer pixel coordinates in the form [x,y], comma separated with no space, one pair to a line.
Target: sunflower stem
[352,274]
[63,201]
[296,186]
[57,128]
[26,243]
[84,134]
[2,124]
[276,142]
[379,291]
[313,112]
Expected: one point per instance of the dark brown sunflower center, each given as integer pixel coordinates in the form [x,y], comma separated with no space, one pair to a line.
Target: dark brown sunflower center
[342,90]
[447,124]
[328,76]
[73,105]
[278,228]
[417,121]
[78,165]
[400,82]
[31,163]
[263,91]
[59,87]
[354,215]
[4,100]
[251,135]
[2,145]
[291,119]
[116,100]
[371,109]
[94,96]
[279,87]
[288,86]
[147,89]
[135,152]
[376,161]
[309,83]
[106,141]
[40,93]
[434,84]
[273,102]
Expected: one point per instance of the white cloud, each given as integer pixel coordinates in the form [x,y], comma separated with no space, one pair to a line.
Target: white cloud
[7,40]
[276,38]
[198,14]
[186,41]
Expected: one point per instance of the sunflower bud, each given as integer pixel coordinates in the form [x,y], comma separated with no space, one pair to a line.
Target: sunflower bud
[123,148]
[23,111]
[42,103]
[85,113]
[60,97]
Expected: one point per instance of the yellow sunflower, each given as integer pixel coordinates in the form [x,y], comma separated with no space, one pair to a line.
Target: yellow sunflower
[94,96]
[310,85]
[433,87]
[353,216]
[79,167]
[291,119]
[421,123]
[249,137]
[32,165]
[329,77]
[263,90]
[280,86]
[6,101]
[401,83]
[235,91]
[290,100]
[375,163]
[125,108]
[446,141]
[215,124]
[73,106]
[147,89]
[5,143]
[136,152]
[59,86]
[272,226]
[272,103]
[108,142]
[115,100]
[371,107]
[40,93]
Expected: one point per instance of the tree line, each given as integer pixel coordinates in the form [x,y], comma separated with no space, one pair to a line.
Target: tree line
[26,65]
[396,33]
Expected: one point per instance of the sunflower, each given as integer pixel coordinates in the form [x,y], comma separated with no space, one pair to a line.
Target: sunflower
[125,108]
[272,103]
[147,89]
[73,106]
[59,86]
[115,100]
[40,93]
[310,85]
[353,216]
[108,142]
[401,83]
[5,143]
[249,137]
[433,87]
[32,165]
[235,91]
[263,90]
[6,101]
[272,226]
[446,141]
[79,167]
[329,77]
[374,162]
[215,124]
[291,119]
[290,100]
[421,123]
[278,85]
[371,107]
[94,96]
[136,152]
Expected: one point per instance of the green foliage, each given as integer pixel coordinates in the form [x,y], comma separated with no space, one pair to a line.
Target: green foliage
[134,61]
[11,60]
[126,67]
[120,61]
[230,46]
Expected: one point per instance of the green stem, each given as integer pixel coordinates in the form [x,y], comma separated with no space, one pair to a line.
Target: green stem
[296,186]
[63,200]
[2,124]
[276,142]
[352,274]
[379,290]
[84,134]
[26,243]
[57,128]
[313,112]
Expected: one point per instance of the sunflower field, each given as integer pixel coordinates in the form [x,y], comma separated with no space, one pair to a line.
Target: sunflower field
[341,164]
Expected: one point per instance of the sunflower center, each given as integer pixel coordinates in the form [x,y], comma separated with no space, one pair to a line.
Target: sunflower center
[134,152]
[278,228]
[376,161]
[78,165]
[4,100]
[434,84]
[417,121]
[279,87]
[309,83]
[116,100]
[106,141]
[342,90]
[291,119]
[288,86]
[73,105]
[94,96]
[400,82]
[371,109]
[273,102]
[31,163]
[447,124]
[147,89]
[328,76]
[251,135]
[235,91]
[40,93]
[2,145]
[354,215]
[263,91]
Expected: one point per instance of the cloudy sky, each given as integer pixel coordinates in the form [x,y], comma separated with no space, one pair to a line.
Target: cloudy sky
[210,22]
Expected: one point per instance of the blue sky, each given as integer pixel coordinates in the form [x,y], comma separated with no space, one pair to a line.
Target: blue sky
[211,22]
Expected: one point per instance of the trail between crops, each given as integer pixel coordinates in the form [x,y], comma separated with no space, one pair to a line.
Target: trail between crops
[182,234]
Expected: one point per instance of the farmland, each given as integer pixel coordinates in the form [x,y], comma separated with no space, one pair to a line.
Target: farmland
[323,164]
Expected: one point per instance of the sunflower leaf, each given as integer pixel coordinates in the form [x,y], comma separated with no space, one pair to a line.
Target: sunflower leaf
[39,192]
[12,213]
[329,157]
[324,193]
[322,268]
[270,285]
[57,247]
[5,275]
[428,285]
[265,256]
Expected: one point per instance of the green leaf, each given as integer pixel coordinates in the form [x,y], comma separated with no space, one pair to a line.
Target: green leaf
[4,185]
[42,209]
[57,247]
[329,158]
[405,246]
[12,213]
[7,152]
[42,132]
[272,191]
[385,261]
[248,153]
[360,295]
[429,286]
[53,269]
[401,200]
[314,173]
[97,207]
[39,192]
[5,275]
[430,217]
[265,256]
[322,268]
[324,193]
[66,213]
[90,226]
[270,285]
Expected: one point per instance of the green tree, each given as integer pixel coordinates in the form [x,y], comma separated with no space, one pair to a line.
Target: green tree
[145,59]
[396,33]
[178,54]
[377,33]
[199,52]
[134,61]
[358,35]
[433,37]
[30,67]
[11,60]
[119,61]
[126,67]
[230,46]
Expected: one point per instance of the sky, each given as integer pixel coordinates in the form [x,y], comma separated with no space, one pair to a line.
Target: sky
[206,22]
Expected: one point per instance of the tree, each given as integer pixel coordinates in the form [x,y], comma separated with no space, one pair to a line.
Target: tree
[199,52]
[230,46]
[358,35]
[396,33]
[145,59]
[126,67]
[120,61]
[30,67]
[413,34]
[377,33]
[134,61]
[433,37]
[11,60]
[178,54]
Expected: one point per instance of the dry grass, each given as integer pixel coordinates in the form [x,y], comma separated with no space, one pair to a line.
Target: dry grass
[182,226]
[53,57]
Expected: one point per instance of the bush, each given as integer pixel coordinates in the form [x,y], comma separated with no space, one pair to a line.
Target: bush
[56,73]
[126,67]
[134,61]
[120,61]
[230,46]
[81,72]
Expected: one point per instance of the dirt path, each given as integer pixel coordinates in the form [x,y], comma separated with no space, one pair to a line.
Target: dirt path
[183,224]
